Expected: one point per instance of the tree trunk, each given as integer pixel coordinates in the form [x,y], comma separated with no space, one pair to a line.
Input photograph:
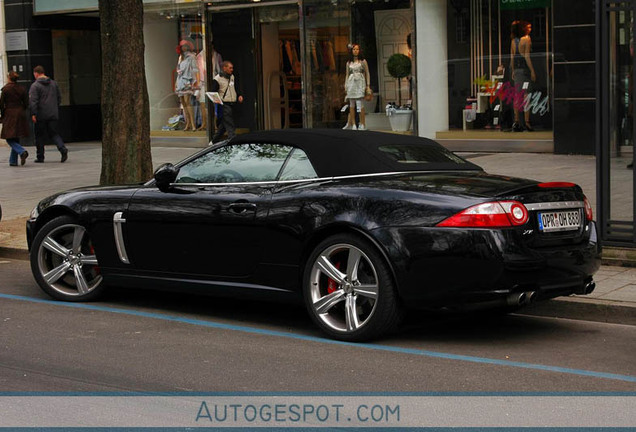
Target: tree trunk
[126,154]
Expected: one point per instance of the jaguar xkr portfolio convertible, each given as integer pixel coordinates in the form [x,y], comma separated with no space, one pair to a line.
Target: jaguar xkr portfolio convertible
[359,225]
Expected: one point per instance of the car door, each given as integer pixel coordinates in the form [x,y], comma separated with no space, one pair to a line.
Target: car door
[209,223]
[290,219]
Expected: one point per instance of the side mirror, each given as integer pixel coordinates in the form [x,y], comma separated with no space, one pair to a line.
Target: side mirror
[165,175]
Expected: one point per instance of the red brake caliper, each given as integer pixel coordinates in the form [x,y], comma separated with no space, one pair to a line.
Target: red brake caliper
[96,268]
[333,285]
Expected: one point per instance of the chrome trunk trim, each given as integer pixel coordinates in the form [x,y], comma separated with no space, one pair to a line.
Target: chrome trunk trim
[558,205]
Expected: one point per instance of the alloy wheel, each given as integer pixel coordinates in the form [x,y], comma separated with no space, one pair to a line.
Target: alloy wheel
[343,288]
[66,262]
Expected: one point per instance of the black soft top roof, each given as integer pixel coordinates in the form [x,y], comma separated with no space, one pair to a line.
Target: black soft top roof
[335,152]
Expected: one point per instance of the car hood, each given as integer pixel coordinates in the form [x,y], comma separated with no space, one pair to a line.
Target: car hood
[74,198]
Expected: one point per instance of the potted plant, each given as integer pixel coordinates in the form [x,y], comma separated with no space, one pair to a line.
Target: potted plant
[399,66]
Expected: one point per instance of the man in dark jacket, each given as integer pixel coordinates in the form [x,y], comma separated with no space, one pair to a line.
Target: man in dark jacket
[44,100]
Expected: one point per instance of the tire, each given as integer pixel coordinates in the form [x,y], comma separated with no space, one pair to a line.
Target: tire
[357,304]
[64,263]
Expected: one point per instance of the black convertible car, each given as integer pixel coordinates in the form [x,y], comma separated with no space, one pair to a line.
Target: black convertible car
[359,225]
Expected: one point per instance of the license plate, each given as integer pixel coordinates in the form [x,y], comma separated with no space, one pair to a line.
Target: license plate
[559,220]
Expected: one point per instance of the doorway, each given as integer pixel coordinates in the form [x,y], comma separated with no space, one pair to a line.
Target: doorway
[281,65]
[615,159]
[263,43]
[232,33]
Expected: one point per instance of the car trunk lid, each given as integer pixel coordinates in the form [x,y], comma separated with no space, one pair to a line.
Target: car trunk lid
[557,213]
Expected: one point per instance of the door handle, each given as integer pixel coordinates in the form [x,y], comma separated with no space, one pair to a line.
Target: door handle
[241,207]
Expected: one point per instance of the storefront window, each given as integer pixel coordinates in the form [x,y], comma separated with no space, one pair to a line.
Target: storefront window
[337,97]
[290,61]
[282,72]
[175,35]
[499,68]
[621,118]
[327,34]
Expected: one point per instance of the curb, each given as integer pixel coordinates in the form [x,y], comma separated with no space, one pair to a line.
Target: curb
[14,253]
[584,309]
[619,257]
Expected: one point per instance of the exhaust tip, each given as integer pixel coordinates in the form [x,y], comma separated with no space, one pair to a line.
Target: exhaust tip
[516,299]
[531,296]
[586,288]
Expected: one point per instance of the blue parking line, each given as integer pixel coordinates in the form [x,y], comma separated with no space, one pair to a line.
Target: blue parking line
[387,348]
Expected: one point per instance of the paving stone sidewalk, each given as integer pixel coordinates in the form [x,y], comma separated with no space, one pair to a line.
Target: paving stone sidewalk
[614,299]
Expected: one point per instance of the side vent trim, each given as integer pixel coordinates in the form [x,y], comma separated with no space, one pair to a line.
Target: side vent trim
[118,221]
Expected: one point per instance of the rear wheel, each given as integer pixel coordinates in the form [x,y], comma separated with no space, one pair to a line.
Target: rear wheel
[349,291]
[64,263]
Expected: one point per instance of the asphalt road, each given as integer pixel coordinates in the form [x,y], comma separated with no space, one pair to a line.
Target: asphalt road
[167,342]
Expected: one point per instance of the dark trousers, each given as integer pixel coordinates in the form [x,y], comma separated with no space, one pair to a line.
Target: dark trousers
[225,124]
[46,130]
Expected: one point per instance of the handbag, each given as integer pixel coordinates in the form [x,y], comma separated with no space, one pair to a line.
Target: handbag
[368,94]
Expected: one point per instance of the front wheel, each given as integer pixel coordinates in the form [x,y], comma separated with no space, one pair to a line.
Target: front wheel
[349,291]
[64,263]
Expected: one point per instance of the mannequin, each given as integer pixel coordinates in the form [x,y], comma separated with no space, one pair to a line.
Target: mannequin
[523,73]
[216,62]
[202,89]
[187,81]
[356,84]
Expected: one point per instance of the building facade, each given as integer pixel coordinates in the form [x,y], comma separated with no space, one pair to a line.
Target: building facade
[571,92]
[68,47]
[614,124]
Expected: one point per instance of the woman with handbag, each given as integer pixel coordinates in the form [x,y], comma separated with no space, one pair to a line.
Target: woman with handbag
[13,103]
[357,87]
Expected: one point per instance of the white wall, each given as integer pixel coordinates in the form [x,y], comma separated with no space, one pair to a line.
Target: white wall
[3,54]
[432,69]
[161,39]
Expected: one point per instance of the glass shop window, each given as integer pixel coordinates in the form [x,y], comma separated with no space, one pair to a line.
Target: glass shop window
[500,67]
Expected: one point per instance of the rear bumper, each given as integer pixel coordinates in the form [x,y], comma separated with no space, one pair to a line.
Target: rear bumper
[445,266]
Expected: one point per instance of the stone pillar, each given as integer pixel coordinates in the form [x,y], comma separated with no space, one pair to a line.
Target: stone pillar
[431,66]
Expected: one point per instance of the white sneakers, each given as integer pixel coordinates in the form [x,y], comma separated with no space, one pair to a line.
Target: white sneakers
[354,127]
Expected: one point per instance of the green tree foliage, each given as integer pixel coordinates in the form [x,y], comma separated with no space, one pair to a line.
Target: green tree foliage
[399,66]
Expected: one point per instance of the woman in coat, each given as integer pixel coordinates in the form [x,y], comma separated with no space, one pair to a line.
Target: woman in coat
[13,103]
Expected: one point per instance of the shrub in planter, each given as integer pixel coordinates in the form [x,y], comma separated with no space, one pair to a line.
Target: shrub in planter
[399,66]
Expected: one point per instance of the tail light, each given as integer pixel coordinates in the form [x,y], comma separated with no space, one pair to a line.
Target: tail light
[589,214]
[489,215]
[556,185]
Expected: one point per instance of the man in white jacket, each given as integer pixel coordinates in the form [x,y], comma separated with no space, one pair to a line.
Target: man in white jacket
[225,84]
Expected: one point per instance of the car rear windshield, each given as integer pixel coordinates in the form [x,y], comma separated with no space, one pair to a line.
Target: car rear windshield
[419,154]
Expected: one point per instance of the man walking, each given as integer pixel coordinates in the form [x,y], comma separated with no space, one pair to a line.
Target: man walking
[225,84]
[44,101]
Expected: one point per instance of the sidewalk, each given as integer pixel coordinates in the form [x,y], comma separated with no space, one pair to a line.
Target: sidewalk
[614,299]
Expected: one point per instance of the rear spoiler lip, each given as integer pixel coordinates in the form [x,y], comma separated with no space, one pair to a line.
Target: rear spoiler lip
[536,187]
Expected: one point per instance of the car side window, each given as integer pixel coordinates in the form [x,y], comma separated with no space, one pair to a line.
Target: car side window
[236,163]
[298,167]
